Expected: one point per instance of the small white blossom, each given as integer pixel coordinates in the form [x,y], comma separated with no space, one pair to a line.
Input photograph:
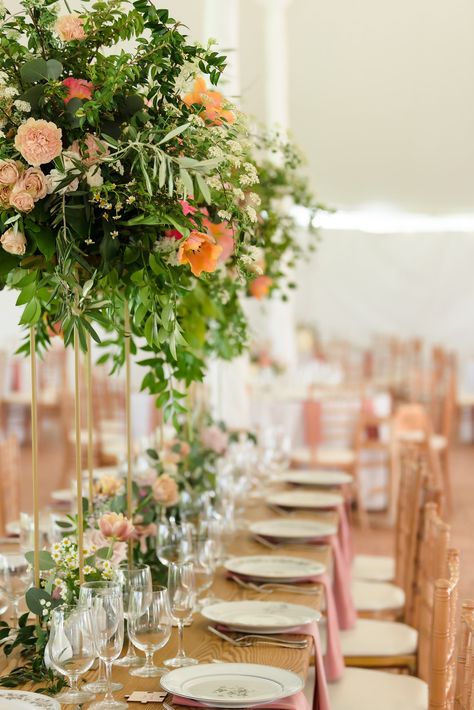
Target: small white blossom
[214,182]
[216,152]
[224,214]
[234,147]
[238,194]
[10,92]
[23,106]
[251,213]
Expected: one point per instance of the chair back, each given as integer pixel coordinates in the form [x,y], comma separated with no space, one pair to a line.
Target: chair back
[442,674]
[10,479]
[432,565]
[464,699]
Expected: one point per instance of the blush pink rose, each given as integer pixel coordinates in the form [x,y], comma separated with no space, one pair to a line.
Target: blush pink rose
[91,152]
[13,242]
[116,526]
[70,27]
[215,439]
[9,172]
[165,491]
[38,141]
[78,89]
[94,538]
[20,199]
[33,181]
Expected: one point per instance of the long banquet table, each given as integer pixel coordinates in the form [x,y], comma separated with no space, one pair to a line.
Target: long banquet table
[206,647]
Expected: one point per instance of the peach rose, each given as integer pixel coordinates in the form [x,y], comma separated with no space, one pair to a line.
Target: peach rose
[116,526]
[34,181]
[38,141]
[13,242]
[108,486]
[20,199]
[78,89]
[165,491]
[260,287]
[91,152]
[93,539]
[70,27]
[200,251]
[215,439]
[9,172]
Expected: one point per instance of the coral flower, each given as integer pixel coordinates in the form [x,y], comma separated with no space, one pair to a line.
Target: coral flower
[212,101]
[78,89]
[200,251]
[38,141]
[224,236]
[116,527]
[70,27]
[260,287]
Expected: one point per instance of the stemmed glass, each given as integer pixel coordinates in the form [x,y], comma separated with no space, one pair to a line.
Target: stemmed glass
[108,631]
[87,594]
[174,542]
[72,649]
[181,590]
[15,579]
[136,578]
[149,626]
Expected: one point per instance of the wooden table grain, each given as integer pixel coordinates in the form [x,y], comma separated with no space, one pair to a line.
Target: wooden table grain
[206,647]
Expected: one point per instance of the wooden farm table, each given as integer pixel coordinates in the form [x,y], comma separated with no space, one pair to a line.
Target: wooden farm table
[201,644]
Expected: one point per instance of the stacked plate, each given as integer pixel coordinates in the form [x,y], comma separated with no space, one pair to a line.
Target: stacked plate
[232,685]
[260,617]
[293,529]
[23,700]
[324,479]
[305,499]
[274,568]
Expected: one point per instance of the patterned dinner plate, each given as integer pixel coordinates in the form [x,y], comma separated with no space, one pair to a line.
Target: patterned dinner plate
[260,616]
[305,499]
[275,568]
[23,700]
[232,685]
[317,478]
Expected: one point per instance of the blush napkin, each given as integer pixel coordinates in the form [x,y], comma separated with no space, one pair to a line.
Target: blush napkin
[292,702]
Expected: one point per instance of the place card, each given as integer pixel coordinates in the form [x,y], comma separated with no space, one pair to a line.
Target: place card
[144,697]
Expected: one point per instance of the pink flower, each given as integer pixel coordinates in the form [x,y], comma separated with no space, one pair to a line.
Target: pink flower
[187,208]
[9,172]
[215,439]
[13,242]
[78,89]
[91,152]
[173,234]
[165,490]
[95,539]
[116,526]
[142,532]
[38,141]
[70,27]
[33,181]
[20,199]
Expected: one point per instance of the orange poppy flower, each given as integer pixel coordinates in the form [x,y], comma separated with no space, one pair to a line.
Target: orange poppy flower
[200,251]
[224,236]
[212,101]
[260,287]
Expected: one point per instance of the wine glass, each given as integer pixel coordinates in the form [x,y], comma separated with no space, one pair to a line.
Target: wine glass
[72,649]
[108,631]
[15,578]
[181,591]
[133,578]
[87,594]
[174,542]
[149,626]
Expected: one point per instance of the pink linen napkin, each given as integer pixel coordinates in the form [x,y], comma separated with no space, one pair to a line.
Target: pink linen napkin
[292,702]
[346,613]
[312,423]
[320,697]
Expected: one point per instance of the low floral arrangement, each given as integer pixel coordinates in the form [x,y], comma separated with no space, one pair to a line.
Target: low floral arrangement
[104,549]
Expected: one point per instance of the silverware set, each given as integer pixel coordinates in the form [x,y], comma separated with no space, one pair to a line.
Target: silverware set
[285,543]
[247,640]
[270,587]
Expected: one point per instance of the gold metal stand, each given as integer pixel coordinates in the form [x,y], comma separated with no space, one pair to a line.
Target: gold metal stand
[77,417]
[128,423]
[90,441]
[34,454]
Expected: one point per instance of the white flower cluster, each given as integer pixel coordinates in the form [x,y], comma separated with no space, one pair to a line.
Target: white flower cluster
[168,248]
[250,177]
[22,106]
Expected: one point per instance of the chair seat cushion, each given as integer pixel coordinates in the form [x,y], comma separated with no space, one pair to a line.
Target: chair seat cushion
[361,689]
[375,638]
[373,568]
[377,596]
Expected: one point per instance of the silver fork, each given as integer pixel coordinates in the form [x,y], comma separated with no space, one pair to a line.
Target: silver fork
[256,639]
[286,543]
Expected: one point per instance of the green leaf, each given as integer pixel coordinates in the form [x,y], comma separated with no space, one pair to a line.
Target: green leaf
[46,241]
[32,312]
[203,186]
[54,69]
[45,559]
[34,70]
[175,132]
[35,596]
[27,293]
[187,181]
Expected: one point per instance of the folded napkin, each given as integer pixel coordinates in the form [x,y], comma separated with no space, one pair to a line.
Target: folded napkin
[292,702]
[345,609]
[321,696]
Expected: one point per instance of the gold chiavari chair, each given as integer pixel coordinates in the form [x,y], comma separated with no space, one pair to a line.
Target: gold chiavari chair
[464,698]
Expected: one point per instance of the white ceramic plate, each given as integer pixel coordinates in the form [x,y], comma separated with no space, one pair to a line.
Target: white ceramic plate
[275,568]
[305,499]
[23,700]
[232,685]
[317,478]
[269,617]
[293,529]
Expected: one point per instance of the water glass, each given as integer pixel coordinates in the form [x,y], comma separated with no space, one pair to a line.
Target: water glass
[72,649]
[136,578]
[182,594]
[108,633]
[174,542]
[149,626]
[15,578]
